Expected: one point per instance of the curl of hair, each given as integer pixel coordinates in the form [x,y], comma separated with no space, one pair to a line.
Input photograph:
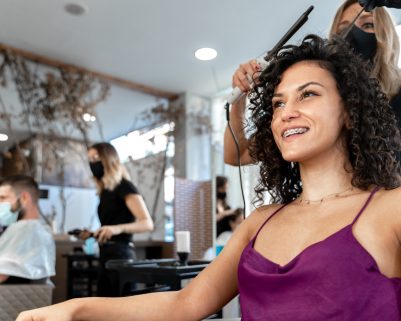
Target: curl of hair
[114,171]
[372,138]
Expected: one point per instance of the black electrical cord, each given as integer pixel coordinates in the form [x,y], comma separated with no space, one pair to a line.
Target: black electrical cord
[227,108]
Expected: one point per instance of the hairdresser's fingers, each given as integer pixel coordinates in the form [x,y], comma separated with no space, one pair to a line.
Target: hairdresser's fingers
[244,75]
[99,235]
[106,232]
[256,69]
[85,234]
[242,80]
[103,236]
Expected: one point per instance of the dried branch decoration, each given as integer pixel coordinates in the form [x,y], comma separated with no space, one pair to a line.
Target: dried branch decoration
[56,100]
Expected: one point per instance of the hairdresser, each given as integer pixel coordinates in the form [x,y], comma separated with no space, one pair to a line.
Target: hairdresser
[122,211]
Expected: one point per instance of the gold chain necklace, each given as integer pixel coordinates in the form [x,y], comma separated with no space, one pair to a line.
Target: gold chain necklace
[334,195]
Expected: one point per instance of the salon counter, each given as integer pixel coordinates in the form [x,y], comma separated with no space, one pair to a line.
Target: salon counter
[64,246]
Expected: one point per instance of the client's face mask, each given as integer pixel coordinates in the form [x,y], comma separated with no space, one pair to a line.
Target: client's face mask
[364,43]
[97,169]
[7,216]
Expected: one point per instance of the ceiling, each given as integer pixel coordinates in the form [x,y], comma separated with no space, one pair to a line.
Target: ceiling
[152,42]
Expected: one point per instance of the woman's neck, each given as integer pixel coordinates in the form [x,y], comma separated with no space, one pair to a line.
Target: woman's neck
[322,177]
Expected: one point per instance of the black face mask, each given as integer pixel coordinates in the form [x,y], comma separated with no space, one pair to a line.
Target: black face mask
[364,43]
[97,169]
[221,195]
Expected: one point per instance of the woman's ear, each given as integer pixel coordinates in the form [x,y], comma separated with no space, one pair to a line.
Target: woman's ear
[347,121]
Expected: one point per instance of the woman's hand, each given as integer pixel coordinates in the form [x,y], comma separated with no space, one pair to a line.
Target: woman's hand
[50,313]
[85,234]
[105,233]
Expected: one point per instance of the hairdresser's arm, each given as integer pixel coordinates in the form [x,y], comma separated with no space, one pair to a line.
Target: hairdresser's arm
[206,294]
[143,221]
[223,214]
[242,79]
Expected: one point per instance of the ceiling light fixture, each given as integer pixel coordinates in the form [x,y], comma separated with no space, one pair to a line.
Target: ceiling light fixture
[88,117]
[75,9]
[3,137]
[206,54]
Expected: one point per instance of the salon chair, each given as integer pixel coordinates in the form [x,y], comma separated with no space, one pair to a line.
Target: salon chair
[15,298]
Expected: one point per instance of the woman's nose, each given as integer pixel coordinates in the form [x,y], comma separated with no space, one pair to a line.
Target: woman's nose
[290,111]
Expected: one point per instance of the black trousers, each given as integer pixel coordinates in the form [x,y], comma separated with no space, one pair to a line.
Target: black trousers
[111,251]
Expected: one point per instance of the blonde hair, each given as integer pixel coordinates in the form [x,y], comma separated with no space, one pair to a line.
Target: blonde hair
[385,67]
[114,171]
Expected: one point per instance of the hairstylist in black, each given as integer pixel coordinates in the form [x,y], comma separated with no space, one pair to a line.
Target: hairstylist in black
[122,211]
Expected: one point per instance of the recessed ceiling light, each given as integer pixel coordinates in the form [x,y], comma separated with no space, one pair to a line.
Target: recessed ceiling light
[75,9]
[206,53]
[3,137]
[88,117]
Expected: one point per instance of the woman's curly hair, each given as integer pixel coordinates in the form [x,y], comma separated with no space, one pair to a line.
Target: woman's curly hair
[372,138]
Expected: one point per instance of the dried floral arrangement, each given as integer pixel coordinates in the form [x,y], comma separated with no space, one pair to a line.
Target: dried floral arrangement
[54,101]
[198,120]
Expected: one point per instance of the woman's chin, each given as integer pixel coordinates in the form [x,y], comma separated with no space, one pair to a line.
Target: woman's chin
[292,157]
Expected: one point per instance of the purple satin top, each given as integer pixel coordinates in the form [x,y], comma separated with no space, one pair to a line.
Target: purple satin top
[334,279]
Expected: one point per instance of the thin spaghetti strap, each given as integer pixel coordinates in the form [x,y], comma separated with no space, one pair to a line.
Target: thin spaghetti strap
[267,220]
[366,204]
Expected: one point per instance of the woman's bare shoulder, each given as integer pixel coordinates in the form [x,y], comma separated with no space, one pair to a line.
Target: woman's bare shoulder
[255,220]
[390,199]
[389,209]
[391,196]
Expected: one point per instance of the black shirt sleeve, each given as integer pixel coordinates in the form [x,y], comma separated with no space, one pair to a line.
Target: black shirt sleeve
[125,188]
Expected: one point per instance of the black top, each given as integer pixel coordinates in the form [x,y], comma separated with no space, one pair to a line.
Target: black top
[223,225]
[112,209]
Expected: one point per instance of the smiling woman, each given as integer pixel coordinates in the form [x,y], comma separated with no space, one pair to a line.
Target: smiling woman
[325,99]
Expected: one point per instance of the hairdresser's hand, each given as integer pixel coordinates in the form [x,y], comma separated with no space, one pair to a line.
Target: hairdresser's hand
[85,234]
[245,75]
[50,313]
[369,5]
[106,232]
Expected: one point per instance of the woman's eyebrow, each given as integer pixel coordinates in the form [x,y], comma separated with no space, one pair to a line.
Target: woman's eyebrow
[300,88]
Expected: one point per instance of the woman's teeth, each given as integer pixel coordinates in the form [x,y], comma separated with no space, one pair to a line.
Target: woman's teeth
[294,131]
